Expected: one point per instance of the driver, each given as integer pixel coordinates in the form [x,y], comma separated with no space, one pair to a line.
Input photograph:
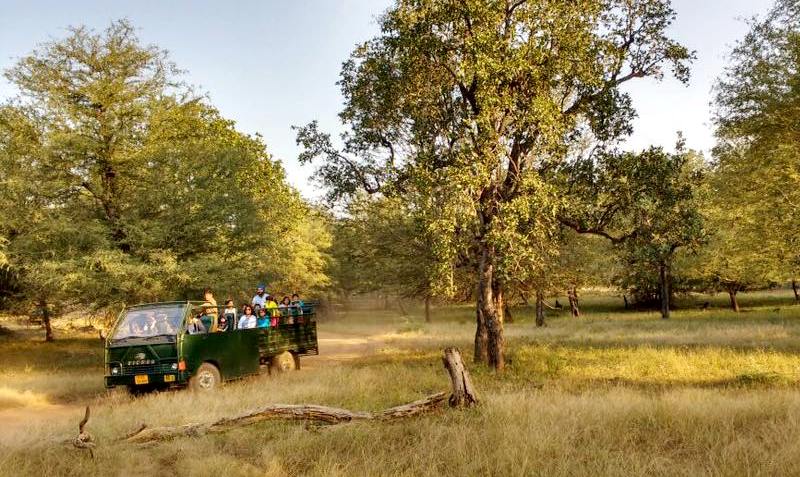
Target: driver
[163,326]
[150,324]
[136,326]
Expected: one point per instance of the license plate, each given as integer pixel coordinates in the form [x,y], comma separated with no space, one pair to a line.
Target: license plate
[168,378]
[141,379]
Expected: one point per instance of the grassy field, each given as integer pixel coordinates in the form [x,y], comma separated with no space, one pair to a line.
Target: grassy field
[612,393]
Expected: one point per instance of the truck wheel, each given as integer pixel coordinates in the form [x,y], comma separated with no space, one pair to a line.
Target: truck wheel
[282,363]
[207,378]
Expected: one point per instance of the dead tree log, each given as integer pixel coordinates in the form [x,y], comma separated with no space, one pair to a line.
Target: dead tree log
[463,392]
[290,412]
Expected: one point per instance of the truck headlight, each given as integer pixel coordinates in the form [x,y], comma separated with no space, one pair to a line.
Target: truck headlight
[115,370]
[174,366]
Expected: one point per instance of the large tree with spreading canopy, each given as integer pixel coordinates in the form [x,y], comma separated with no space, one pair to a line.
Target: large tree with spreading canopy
[474,105]
[120,184]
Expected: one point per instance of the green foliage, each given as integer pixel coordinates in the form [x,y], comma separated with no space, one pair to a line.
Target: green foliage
[472,106]
[665,193]
[758,151]
[121,185]
[381,245]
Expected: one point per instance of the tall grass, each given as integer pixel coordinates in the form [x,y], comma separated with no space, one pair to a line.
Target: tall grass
[612,393]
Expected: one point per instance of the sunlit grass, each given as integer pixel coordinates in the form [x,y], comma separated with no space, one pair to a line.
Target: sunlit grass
[612,393]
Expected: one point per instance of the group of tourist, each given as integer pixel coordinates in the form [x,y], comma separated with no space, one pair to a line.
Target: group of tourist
[262,312]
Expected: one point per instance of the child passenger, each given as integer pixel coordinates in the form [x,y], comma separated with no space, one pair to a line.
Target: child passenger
[297,308]
[230,314]
[223,324]
[263,320]
[272,310]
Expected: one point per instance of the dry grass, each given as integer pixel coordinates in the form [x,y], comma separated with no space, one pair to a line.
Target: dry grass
[614,393]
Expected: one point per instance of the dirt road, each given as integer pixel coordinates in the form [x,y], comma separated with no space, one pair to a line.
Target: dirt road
[334,347]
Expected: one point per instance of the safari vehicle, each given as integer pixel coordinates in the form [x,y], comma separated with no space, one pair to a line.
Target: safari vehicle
[149,348]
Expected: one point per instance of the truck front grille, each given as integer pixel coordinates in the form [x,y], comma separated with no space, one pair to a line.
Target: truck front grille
[148,369]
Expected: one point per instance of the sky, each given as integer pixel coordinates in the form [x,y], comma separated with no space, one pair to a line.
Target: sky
[270,64]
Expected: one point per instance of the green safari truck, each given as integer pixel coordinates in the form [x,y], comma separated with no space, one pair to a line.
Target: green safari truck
[150,348]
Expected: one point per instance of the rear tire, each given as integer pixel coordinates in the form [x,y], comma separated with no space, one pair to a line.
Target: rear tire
[207,378]
[283,363]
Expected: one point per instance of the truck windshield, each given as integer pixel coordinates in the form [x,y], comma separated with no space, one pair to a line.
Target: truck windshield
[155,321]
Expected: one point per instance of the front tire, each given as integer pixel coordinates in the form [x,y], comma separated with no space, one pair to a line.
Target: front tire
[207,378]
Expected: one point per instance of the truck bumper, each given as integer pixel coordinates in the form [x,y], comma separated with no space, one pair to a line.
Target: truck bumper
[165,379]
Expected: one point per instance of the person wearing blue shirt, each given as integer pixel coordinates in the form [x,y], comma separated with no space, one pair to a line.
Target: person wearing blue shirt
[263,319]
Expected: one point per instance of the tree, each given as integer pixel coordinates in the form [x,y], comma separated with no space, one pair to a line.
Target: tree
[758,149]
[584,260]
[126,186]
[474,104]
[663,214]
[382,246]
[738,255]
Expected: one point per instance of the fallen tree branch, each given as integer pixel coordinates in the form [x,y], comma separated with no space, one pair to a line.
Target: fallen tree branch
[463,395]
[291,412]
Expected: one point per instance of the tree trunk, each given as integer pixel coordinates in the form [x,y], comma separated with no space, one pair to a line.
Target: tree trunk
[109,199]
[572,294]
[494,326]
[734,302]
[48,329]
[625,300]
[663,285]
[539,308]
[427,309]
[489,333]
[796,291]
[481,352]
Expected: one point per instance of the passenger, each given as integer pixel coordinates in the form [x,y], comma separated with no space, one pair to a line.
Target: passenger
[297,302]
[230,313]
[209,318]
[136,328]
[208,296]
[223,324]
[297,307]
[263,320]
[195,326]
[260,297]
[247,320]
[272,307]
[283,308]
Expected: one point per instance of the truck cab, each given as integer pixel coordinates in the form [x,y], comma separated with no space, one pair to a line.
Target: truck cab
[149,347]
